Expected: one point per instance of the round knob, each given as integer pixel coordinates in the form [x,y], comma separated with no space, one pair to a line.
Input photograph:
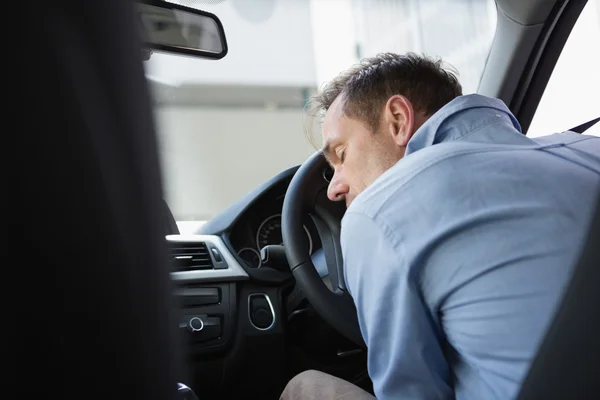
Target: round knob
[195,324]
[262,318]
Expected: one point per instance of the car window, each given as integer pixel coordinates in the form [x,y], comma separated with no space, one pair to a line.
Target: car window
[227,126]
[571,96]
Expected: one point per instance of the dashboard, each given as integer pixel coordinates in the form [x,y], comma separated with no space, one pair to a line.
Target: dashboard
[260,226]
[227,295]
[254,222]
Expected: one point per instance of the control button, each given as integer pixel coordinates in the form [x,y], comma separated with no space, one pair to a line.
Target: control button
[260,311]
[262,318]
[203,327]
[217,255]
[195,324]
[195,296]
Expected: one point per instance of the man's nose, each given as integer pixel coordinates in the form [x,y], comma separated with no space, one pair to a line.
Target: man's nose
[337,190]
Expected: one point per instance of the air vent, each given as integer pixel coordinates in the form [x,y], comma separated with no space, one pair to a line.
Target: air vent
[189,256]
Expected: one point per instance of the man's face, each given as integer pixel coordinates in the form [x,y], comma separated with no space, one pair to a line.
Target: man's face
[358,155]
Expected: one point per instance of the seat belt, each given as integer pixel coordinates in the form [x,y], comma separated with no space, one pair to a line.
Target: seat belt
[585,126]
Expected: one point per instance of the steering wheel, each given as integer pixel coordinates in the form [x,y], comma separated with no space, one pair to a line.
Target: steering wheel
[306,195]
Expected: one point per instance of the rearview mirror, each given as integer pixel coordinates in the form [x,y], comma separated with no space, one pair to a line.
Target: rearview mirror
[182,30]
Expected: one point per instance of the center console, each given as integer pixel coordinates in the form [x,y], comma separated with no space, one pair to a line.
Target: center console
[207,315]
[205,275]
[231,326]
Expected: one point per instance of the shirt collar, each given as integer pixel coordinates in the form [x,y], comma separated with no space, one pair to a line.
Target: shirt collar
[442,126]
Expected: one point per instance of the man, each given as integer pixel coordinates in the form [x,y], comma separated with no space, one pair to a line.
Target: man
[460,233]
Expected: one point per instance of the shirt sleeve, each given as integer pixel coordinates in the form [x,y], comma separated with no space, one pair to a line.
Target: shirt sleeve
[405,354]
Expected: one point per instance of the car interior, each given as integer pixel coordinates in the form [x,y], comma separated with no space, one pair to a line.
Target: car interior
[122,305]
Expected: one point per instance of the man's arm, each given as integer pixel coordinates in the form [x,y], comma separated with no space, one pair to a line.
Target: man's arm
[405,355]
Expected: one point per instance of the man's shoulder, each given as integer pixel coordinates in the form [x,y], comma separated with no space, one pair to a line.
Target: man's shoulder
[427,176]
[430,176]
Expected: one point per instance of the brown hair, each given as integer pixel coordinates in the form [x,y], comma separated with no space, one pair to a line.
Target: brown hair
[367,86]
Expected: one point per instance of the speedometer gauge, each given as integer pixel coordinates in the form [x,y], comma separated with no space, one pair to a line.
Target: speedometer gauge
[269,232]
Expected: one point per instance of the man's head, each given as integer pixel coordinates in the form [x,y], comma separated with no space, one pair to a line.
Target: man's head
[371,112]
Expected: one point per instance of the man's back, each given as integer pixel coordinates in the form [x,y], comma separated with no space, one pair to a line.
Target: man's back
[470,243]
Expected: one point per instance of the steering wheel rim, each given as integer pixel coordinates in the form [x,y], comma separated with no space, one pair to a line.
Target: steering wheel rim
[335,306]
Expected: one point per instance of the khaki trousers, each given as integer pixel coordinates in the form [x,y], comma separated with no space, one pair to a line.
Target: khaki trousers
[315,385]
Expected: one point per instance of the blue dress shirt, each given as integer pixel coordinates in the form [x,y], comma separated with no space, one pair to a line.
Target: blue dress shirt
[457,257]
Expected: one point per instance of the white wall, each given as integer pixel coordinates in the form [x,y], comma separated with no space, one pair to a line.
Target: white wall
[270,43]
[212,157]
[460,32]
[334,37]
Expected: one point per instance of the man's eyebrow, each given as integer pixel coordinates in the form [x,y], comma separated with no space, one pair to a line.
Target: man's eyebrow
[326,150]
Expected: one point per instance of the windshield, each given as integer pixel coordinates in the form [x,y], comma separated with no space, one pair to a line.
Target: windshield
[227,126]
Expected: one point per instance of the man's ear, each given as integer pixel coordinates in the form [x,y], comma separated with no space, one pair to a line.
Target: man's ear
[400,119]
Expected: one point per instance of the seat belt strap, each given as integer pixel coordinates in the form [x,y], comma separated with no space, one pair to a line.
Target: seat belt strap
[585,126]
